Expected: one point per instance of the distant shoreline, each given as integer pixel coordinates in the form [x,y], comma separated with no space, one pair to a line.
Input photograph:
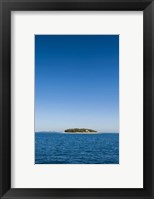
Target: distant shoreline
[80,130]
[80,133]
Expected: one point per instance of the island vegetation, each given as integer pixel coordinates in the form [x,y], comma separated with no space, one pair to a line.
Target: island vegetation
[80,130]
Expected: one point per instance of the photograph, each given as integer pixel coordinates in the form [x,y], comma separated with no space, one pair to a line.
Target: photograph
[76,99]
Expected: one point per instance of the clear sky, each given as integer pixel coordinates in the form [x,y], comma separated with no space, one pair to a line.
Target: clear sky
[77,82]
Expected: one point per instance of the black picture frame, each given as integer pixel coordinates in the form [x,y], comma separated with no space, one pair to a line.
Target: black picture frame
[6,6]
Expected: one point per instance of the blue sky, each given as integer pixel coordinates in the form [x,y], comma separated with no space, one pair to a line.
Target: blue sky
[77,82]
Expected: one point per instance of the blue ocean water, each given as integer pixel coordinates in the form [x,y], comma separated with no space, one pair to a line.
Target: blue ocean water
[62,148]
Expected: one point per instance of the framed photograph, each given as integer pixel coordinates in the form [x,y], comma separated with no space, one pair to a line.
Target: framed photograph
[76,101]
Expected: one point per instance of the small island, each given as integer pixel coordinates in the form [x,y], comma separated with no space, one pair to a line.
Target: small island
[80,130]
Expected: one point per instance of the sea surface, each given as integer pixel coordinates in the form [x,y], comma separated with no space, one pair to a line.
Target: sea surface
[63,148]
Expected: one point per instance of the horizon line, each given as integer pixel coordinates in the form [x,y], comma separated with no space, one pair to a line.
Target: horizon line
[66,132]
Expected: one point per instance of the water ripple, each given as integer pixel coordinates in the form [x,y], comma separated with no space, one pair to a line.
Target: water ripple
[58,148]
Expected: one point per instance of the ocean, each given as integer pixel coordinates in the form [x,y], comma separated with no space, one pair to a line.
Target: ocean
[65,148]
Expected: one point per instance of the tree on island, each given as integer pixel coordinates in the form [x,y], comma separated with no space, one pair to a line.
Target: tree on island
[82,130]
